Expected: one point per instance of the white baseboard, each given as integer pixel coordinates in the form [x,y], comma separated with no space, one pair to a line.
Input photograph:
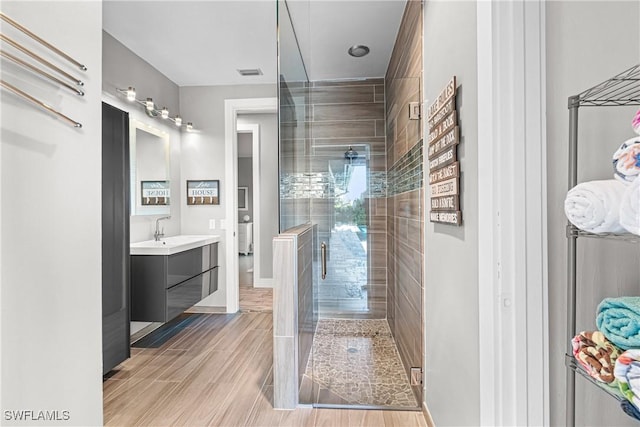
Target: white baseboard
[263,283]
[427,415]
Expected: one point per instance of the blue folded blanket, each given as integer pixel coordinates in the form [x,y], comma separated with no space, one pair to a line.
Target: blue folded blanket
[630,409]
[619,320]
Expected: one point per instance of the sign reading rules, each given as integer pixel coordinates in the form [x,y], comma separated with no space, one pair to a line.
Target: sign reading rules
[444,168]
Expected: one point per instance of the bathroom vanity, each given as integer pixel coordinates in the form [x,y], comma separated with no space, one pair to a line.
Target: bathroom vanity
[171,275]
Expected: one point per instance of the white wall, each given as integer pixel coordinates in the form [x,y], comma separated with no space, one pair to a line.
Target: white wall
[51,226]
[587,42]
[269,182]
[123,68]
[245,179]
[451,268]
[202,157]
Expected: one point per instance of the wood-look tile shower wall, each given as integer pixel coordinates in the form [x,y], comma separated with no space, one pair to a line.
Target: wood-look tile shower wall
[405,202]
[340,114]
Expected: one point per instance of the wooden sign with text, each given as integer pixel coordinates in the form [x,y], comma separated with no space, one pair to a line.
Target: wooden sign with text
[444,168]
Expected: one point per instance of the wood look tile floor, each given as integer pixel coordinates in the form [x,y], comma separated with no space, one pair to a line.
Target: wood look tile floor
[252,299]
[216,370]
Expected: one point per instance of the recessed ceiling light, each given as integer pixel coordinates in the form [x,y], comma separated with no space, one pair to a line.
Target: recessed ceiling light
[250,72]
[358,50]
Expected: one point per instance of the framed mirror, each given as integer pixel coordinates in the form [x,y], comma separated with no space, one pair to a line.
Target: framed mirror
[243,198]
[150,173]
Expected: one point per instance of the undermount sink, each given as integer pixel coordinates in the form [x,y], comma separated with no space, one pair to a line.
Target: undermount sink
[171,245]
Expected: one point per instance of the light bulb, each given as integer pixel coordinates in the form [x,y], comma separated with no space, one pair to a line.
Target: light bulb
[189,126]
[131,94]
[165,113]
[149,104]
[178,121]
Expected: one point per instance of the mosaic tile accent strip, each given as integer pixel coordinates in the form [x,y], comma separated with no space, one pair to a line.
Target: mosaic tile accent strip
[304,185]
[321,185]
[377,185]
[358,361]
[407,173]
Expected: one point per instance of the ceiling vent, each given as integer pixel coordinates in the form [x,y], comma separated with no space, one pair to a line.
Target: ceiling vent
[250,72]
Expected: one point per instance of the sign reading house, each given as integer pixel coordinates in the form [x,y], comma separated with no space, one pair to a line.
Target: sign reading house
[444,168]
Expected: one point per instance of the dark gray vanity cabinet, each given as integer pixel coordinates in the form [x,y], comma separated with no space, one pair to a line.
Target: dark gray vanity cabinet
[164,286]
[115,237]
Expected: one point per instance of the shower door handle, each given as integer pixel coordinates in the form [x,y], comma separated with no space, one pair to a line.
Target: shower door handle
[323,256]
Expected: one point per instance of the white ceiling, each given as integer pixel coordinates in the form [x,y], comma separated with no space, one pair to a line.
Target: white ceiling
[327,29]
[197,43]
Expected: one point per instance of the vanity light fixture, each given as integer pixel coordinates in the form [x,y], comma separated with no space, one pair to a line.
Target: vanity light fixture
[150,108]
[131,94]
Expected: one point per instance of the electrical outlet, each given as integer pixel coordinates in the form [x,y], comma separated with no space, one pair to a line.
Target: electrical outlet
[212,224]
[416,376]
[223,224]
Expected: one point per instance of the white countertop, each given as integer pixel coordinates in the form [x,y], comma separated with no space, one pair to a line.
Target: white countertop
[171,245]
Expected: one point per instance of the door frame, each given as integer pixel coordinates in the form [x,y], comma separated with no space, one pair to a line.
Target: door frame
[233,107]
[512,213]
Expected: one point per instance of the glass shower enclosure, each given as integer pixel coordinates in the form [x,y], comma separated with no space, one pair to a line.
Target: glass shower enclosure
[335,179]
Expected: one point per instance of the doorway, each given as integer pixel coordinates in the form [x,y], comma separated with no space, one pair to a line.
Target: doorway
[256,116]
[254,296]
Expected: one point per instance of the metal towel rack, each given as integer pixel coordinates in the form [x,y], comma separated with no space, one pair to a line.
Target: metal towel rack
[26,65]
[41,41]
[39,103]
[40,59]
[37,70]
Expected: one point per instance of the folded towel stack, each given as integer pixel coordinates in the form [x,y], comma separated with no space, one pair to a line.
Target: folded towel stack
[596,355]
[612,354]
[619,320]
[594,206]
[627,372]
[610,206]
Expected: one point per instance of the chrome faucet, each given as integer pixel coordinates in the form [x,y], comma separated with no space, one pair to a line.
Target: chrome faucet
[159,234]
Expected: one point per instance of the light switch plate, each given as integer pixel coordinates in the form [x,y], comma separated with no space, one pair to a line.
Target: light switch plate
[223,224]
[416,376]
[212,224]
[414,111]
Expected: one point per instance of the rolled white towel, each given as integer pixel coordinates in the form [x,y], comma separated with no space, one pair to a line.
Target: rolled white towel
[630,208]
[594,206]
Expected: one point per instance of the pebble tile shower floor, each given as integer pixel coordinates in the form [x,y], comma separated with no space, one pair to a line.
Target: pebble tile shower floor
[357,361]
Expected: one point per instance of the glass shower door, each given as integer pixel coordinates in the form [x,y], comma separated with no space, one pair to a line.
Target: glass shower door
[339,208]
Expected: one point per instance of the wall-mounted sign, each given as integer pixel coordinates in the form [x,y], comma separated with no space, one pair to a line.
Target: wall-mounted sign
[444,168]
[444,159]
[446,203]
[447,172]
[155,193]
[203,192]
[447,217]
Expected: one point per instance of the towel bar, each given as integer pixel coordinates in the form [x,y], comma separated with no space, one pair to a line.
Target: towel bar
[37,70]
[41,41]
[40,59]
[39,103]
